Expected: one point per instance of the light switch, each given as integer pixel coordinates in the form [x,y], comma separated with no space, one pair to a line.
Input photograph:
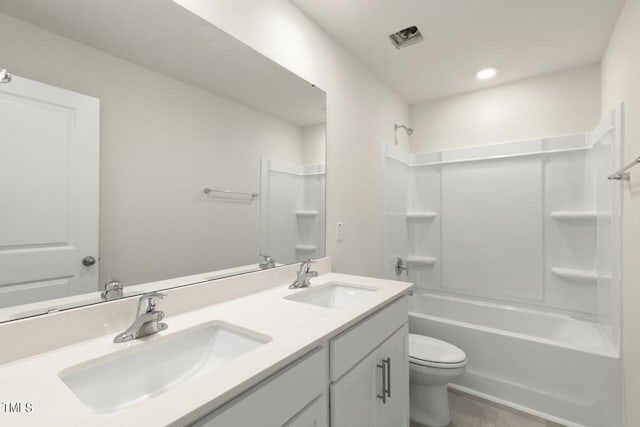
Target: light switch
[339,231]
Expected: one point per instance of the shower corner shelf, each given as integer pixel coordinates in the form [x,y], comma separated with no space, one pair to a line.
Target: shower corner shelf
[577,274]
[421,260]
[305,248]
[578,215]
[307,214]
[421,215]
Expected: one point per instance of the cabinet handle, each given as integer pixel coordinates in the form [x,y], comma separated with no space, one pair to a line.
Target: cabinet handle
[384,382]
[387,362]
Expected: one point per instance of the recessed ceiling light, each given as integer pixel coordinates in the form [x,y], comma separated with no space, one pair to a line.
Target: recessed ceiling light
[486,73]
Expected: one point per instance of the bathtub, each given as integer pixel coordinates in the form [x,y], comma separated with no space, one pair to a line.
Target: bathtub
[546,364]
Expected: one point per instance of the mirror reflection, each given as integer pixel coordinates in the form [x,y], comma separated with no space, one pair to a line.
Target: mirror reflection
[129,162]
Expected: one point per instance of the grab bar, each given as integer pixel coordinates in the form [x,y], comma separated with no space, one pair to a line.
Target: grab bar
[208,191]
[622,173]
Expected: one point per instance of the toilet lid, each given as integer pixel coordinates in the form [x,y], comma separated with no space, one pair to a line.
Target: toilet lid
[426,350]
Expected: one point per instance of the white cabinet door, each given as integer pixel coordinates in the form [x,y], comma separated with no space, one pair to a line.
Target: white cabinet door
[357,398]
[316,414]
[278,400]
[351,346]
[354,401]
[49,170]
[395,354]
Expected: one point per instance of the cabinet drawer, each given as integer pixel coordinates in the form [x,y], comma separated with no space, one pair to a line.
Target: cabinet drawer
[355,343]
[277,399]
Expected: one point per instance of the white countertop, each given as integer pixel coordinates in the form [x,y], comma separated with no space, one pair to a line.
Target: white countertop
[295,328]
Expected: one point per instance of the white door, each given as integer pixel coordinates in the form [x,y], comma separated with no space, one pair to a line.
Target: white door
[49,184]
[354,397]
[357,398]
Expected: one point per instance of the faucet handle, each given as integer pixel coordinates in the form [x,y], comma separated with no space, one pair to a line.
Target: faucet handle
[149,301]
[267,258]
[306,265]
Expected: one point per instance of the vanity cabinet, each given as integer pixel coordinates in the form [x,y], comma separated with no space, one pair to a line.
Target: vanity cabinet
[295,396]
[375,393]
[395,412]
[372,388]
[359,378]
[316,414]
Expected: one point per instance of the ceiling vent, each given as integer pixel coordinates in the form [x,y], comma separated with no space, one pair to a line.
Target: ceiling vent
[406,37]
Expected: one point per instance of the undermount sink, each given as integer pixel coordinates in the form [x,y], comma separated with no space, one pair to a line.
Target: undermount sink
[332,295]
[124,378]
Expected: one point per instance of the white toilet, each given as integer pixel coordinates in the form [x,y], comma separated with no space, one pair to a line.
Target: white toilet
[432,365]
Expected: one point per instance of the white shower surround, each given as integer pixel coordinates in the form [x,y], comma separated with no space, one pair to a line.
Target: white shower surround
[292,211]
[515,250]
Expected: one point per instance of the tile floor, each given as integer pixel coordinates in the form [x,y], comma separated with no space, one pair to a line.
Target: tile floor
[471,411]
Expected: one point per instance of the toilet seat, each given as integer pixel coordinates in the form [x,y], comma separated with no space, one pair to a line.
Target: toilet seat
[431,352]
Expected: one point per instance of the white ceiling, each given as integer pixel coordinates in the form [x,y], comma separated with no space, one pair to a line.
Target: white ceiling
[522,38]
[163,36]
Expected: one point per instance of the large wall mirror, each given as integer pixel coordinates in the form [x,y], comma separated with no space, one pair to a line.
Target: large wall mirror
[139,145]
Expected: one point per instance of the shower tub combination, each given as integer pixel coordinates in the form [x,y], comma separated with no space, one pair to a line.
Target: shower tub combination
[547,364]
[515,251]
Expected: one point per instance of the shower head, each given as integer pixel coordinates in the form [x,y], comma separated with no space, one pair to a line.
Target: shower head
[5,77]
[408,130]
[396,127]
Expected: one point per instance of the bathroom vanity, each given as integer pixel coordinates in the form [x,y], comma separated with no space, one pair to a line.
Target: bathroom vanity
[355,370]
[273,356]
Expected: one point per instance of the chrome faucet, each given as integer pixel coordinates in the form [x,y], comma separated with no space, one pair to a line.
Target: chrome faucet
[112,290]
[147,320]
[304,275]
[268,262]
[5,77]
